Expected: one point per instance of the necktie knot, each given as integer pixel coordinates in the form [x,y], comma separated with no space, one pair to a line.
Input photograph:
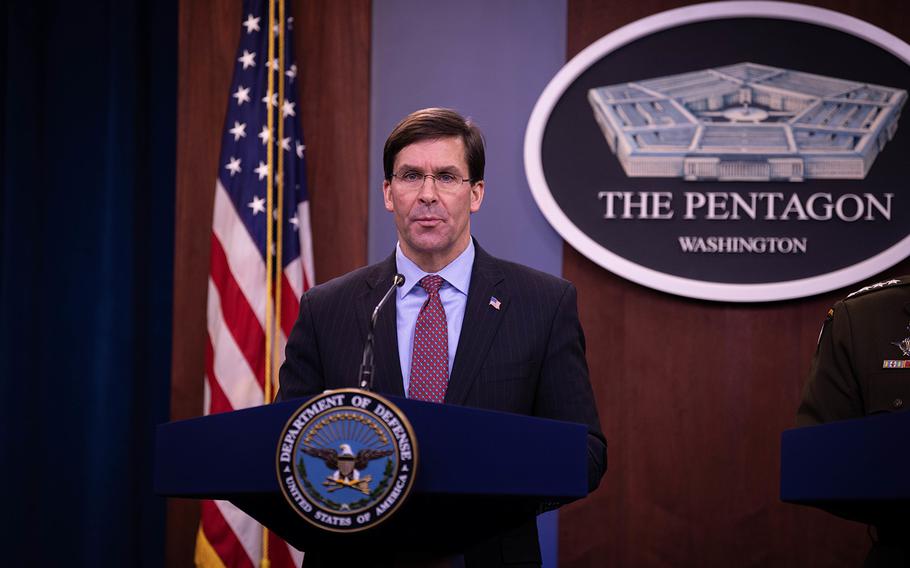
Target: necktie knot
[431,283]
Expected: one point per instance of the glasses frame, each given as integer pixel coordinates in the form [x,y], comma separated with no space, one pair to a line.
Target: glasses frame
[435,180]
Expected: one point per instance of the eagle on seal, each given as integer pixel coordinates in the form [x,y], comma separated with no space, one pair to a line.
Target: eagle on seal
[347,466]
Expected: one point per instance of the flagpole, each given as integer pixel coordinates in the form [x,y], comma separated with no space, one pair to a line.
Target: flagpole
[269,240]
[279,195]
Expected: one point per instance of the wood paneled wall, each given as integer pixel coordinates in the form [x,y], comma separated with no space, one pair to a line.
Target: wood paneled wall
[693,397]
[333,54]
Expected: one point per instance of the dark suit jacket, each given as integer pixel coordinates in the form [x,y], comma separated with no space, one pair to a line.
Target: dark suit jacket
[526,358]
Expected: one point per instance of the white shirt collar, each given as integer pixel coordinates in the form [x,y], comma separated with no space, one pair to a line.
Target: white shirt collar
[457,273]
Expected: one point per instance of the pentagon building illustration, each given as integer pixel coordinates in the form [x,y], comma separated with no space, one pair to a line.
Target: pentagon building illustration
[747,122]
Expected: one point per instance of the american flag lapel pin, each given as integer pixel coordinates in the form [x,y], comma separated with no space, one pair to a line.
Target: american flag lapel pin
[495,303]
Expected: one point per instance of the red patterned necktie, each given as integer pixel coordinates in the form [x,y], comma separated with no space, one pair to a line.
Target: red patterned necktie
[430,358]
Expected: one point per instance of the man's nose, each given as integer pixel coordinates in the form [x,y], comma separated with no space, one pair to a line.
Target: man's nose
[428,193]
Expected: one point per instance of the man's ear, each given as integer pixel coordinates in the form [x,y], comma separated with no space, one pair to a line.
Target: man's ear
[387,195]
[476,196]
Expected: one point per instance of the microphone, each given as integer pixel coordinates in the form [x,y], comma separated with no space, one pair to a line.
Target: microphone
[366,366]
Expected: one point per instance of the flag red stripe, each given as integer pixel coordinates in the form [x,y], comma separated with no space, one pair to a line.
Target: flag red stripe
[290,305]
[222,538]
[279,554]
[218,401]
[306,280]
[238,315]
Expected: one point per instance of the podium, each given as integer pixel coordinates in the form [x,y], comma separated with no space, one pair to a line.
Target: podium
[478,471]
[858,469]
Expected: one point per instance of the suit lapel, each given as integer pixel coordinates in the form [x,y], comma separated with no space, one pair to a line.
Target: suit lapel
[481,322]
[387,373]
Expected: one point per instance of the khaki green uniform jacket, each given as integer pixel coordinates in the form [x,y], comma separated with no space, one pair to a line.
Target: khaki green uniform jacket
[857,369]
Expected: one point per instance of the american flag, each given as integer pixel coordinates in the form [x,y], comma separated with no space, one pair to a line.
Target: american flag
[238,299]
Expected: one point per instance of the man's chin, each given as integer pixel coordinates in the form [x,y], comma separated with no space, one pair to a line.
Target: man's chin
[428,248]
[429,244]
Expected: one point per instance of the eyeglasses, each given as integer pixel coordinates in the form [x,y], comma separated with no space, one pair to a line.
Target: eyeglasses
[412,179]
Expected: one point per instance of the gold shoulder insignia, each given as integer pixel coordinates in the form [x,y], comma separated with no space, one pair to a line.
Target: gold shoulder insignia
[828,317]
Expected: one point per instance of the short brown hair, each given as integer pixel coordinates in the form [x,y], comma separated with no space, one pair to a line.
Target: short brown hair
[431,124]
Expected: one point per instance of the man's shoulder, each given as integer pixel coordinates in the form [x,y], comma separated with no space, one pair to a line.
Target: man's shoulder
[530,279]
[353,280]
[523,271]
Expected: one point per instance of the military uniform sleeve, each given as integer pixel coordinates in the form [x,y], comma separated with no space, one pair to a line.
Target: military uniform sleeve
[564,391]
[832,391]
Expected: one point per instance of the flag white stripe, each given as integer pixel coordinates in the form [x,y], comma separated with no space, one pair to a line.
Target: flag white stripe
[294,273]
[245,262]
[232,370]
[306,242]
[247,530]
[296,555]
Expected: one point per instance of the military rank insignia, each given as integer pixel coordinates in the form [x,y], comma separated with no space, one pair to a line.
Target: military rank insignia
[904,346]
[346,460]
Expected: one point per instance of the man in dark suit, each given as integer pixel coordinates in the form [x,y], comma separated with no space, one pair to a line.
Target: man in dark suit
[466,328]
[862,367]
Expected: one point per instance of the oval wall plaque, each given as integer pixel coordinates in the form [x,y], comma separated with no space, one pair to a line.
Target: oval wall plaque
[730,151]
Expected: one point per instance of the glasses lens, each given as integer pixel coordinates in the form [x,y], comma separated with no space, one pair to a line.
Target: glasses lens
[411,179]
[447,180]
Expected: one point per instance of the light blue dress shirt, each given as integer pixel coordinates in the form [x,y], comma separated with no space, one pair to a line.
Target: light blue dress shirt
[410,298]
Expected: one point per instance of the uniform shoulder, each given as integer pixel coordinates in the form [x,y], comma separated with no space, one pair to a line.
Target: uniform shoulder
[872,296]
[875,290]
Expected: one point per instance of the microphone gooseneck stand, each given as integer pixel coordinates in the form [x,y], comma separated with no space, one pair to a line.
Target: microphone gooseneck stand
[366,366]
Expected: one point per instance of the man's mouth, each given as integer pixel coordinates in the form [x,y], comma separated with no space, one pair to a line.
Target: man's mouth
[428,221]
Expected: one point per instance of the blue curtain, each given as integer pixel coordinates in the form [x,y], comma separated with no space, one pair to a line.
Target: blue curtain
[86,271]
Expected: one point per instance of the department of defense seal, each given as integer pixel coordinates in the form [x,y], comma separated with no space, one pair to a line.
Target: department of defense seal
[346,460]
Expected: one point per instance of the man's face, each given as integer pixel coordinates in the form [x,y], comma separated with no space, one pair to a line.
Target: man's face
[433,223]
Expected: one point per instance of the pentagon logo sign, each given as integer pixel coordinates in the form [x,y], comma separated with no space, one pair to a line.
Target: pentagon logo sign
[346,460]
[730,151]
[747,122]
